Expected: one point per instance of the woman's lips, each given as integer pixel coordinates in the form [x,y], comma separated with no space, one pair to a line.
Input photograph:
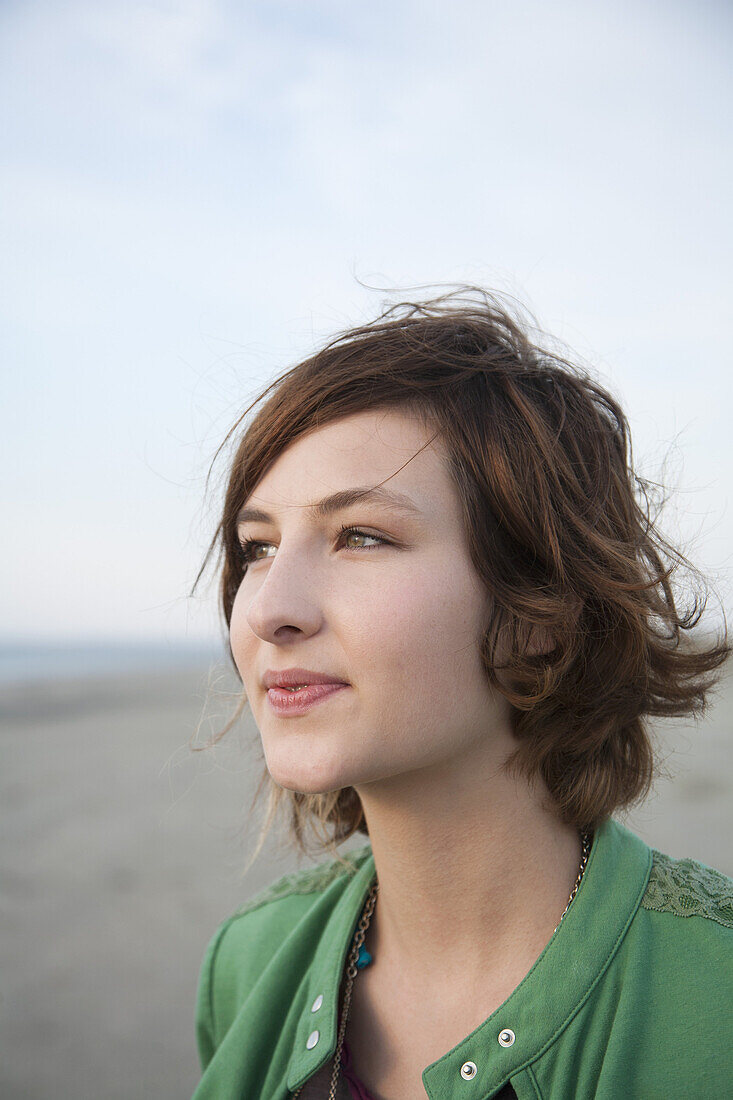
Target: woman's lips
[287,703]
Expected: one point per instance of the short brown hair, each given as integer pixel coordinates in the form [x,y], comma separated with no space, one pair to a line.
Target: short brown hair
[559,528]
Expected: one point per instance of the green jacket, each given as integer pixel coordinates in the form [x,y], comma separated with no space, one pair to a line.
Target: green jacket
[631,997]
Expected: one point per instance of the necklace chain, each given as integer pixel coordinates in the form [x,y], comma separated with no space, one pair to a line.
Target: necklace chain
[359,936]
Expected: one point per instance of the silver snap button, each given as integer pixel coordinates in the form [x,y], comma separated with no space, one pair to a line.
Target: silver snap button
[468,1070]
[506,1037]
[317,1003]
[312,1039]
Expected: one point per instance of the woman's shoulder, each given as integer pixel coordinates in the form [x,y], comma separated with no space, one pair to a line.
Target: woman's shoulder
[687,888]
[670,982]
[679,947]
[248,938]
[276,925]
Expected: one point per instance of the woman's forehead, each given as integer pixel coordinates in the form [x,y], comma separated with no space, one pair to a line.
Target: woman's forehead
[355,454]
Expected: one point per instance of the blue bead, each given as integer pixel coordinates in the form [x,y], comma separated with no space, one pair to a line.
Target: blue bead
[364,958]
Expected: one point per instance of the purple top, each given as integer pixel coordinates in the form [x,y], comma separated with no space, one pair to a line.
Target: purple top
[358,1090]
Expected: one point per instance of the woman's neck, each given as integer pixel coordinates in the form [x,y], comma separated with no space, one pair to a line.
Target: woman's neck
[471,874]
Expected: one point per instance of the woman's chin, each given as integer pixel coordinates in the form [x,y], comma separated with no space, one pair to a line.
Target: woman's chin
[307,785]
[311,777]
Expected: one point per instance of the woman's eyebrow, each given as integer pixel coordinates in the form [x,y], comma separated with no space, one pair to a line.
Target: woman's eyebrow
[344,498]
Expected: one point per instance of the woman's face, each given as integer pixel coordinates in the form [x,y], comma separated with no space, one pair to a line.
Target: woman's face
[399,621]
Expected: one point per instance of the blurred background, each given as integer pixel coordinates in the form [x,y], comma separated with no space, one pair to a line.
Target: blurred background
[193,195]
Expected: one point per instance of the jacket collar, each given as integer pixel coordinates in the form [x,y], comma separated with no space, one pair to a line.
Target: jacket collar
[540,1007]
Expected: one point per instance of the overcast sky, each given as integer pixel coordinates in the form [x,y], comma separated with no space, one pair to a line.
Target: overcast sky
[190,192]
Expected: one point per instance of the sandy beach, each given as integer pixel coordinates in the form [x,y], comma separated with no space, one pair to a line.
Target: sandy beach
[122,851]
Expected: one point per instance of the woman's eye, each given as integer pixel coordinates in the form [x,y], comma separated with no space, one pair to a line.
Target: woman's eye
[248,548]
[349,534]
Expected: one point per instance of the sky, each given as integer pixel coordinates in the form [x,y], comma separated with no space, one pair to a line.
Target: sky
[194,195]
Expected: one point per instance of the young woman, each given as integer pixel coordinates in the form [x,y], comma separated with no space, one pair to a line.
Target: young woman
[452,616]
